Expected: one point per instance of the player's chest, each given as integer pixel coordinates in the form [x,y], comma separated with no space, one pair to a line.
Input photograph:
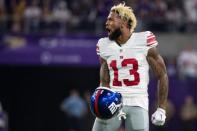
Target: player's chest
[120,53]
[126,56]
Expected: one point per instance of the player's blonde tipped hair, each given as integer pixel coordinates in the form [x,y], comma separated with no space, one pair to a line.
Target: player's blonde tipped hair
[126,14]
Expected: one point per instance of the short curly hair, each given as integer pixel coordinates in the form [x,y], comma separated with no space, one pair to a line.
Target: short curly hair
[126,14]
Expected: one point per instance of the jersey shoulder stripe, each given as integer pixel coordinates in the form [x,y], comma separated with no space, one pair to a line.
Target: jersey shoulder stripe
[150,39]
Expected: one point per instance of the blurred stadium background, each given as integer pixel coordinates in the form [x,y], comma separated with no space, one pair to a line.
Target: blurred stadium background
[47,51]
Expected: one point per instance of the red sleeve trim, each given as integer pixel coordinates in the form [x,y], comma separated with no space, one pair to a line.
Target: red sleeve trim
[151,40]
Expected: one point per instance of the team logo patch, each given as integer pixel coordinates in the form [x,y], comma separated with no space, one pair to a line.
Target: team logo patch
[112,107]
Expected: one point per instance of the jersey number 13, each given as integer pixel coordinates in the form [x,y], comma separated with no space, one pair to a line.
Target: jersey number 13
[132,71]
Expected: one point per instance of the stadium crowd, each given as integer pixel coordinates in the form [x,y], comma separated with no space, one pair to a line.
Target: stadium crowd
[71,16]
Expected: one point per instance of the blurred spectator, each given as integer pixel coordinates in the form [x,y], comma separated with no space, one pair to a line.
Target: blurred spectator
[75,109]
[18,15]
[159,18]
[101,11]
[144,11]
[187,66]
[190,7]
[175,19]
[87,15]
[3,17]
[32,15]
[187,63]
[46,24]
[188,114]
[73,16]
[61,15]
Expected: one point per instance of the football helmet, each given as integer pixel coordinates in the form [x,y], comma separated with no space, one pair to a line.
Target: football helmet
[105,103]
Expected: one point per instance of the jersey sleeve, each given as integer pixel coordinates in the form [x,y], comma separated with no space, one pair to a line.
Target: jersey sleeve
[97,49]
[151,40]
[100,48]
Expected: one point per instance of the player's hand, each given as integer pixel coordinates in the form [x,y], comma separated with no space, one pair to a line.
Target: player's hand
[159,117]
[121,115]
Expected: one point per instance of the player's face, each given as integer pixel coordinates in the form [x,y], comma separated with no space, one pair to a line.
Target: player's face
[113,24]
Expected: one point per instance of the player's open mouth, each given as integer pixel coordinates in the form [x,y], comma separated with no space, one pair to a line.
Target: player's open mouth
[109,31]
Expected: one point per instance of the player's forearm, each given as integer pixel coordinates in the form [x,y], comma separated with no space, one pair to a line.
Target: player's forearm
[163,91]
[104,81]
[104,75]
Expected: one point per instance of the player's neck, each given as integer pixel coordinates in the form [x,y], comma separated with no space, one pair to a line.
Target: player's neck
[122,39]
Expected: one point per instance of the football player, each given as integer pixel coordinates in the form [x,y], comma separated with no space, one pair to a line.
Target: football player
[125,57]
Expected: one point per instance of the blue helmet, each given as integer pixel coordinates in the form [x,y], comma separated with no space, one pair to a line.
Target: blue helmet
[105,103]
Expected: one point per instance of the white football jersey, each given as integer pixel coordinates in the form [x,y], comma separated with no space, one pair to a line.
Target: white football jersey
[128,66]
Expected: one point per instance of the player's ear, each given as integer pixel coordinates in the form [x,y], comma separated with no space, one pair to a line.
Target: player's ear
[123,24]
